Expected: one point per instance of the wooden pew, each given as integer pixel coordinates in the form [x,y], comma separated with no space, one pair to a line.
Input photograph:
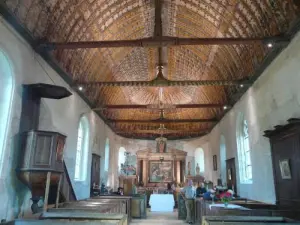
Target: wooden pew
[103,207]
[112,218]
[59,222]
[124,200]
[255,209]
[243,220]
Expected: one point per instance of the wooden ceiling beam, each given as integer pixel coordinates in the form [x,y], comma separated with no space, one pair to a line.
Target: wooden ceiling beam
[165,121]
[158,31]
[183,106]
[167,83]
[156,133]
[161,42]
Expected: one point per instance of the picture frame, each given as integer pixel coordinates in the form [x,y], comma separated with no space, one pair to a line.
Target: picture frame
[285,169]
[160,171]
[215,165]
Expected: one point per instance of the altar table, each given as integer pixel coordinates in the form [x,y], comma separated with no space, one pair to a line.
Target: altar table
[162,202]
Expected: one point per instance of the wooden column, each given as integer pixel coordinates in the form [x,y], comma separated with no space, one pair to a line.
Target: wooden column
[47,191]
[58,191]
[145,172]
[178,172]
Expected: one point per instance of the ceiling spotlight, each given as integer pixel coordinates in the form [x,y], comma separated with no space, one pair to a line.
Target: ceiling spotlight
[270,45]
[225,107]
[241,85]
[80,88]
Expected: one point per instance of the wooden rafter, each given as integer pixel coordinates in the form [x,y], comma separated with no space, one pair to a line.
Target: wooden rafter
[162,42]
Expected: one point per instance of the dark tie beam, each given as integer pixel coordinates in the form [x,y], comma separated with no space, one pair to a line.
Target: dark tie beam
[163,41]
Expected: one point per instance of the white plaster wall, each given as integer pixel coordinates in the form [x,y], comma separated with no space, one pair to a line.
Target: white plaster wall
[274,98]
[56,115]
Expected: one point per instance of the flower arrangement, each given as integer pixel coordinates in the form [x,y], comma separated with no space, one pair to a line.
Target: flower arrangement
[227,197]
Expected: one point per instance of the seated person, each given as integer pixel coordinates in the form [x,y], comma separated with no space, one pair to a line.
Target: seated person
[120,191]
[208,195]
[155,191]
[200,190]
[169,189]
[173,187]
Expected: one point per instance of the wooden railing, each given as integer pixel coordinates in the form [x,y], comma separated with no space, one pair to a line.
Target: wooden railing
[66,189]
[66,186]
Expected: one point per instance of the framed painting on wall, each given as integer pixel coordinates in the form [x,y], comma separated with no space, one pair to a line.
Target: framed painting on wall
[160,171]
[215,163]
[285,169]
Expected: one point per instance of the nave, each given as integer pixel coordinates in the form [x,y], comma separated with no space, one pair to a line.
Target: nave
[149,111]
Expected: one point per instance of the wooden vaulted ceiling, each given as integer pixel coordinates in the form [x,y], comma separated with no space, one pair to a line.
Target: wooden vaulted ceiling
[76,33]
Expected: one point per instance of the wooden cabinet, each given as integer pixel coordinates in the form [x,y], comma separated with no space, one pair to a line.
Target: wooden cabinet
[285,150]
[95,175]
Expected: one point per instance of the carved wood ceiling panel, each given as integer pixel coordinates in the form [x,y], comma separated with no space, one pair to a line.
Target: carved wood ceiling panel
[100,20]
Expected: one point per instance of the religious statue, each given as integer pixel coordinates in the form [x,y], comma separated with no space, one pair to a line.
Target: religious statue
[189,168]
[197,170]
[161,145]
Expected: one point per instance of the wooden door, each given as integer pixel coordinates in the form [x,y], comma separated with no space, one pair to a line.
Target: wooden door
[95,171]
[231,174]
[286,161]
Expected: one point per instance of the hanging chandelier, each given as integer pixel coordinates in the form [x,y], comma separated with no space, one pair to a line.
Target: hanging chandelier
[160,104]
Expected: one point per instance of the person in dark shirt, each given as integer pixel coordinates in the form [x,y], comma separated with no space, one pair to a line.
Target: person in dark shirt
[200,190]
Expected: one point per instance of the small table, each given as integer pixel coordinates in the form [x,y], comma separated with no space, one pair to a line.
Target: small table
[162,202]
[229,206]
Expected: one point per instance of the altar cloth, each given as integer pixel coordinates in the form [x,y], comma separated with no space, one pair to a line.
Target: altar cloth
[162,202]
[229,206]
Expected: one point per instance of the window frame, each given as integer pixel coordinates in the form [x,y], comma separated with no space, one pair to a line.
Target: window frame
[244,152]
[106,155]
[81,160]
[6,127]
[122,151]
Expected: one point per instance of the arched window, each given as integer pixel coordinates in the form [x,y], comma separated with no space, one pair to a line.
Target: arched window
[122,151]
[6,93]
[223,158]
[244,151]
[199,158]
[82,150]
[106,162]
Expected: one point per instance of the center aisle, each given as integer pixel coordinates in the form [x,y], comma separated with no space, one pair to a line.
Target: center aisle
[159,218]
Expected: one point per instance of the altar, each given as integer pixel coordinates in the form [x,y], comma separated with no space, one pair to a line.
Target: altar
[162,202]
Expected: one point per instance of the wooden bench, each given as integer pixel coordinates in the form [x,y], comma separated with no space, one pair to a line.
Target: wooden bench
[124,200]
[243,220]
[103,207]
[254,209]
[114,218]
[59,222]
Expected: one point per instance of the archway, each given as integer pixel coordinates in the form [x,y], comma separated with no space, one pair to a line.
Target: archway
[199,158]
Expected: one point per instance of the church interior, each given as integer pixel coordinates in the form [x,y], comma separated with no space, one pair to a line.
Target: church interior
[149,112]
